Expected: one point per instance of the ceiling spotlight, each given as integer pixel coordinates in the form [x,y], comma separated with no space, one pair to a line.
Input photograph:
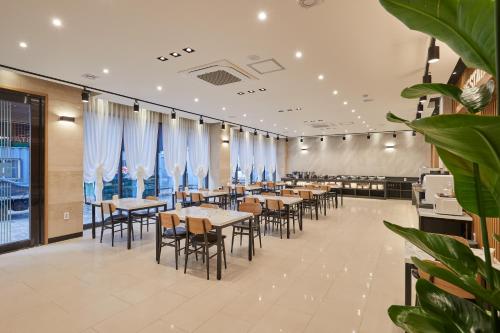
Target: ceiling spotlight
[56,22]
[368,136]
[241,129]
[343,138]
[267,135]
[23,45]
[359,117]
[196,100]
[286,139]
[262,120]
[321,139]
[255,132]
[262,16]
[223,108]
[298,54]
[173,115]
[345,102]
[414,133]
[321,77]
[188,50]
[394,135]
[201,120]
[278,138]
[162,58]
[251,91]
[105,71]
[262,89]
[175,54]
[85,95]
[223,126]
[301,140]
[427,78]
[274,125]
[433,52]
[241,93]
[244,115]
[159,88]
[353,110]
[335,92]
[420,108]
[136,106]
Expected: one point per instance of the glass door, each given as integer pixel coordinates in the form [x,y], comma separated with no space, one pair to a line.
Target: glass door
[21,170]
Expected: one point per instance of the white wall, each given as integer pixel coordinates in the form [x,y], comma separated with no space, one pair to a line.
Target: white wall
[359,156]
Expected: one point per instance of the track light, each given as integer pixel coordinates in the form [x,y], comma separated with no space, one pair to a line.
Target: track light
[278,138]
[427,78]
[414,133]
[136,106]
[419,115]
[343,138]
[255,132]
[201,120]
[267,136]
[301,140]
[173,115]
[433,52]
[223,126]
[420,108]
[422,99]
[321,139]
[394,135]
[85,95]
[368,136]
[286,139]
[241,129]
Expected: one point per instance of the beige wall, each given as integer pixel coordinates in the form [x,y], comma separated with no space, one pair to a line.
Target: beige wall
[64,151]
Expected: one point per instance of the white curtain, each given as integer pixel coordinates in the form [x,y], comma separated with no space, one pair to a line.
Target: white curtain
[103,132]
[270,155]
[259,153]
[175,133]
[199,150]
[246,154]
[140,139]
[234,148]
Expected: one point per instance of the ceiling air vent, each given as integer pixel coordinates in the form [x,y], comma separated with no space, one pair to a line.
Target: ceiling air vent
[90,76]
[266,66]
[219,73]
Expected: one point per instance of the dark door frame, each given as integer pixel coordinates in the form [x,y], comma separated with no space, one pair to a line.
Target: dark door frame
[37,167]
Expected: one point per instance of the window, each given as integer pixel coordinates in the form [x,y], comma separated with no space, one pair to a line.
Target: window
[165,182]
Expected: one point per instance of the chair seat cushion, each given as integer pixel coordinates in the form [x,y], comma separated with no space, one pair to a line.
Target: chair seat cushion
[211,238]
[143,213]
[245,225]
[116,218]
[179,230]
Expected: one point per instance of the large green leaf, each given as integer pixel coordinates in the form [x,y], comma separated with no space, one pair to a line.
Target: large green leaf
[466,282]
[416,320]
[464,315]
[455,255]
[474,99]
[466,26]
[461,140]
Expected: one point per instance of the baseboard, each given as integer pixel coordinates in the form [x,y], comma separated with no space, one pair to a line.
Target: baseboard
[65,237]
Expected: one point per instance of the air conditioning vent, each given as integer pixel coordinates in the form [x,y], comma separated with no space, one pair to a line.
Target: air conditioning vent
[219,73]
[90,76]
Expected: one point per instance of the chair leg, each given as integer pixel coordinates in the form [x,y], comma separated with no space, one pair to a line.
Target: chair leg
[260,238]
[141,227]
[102,230]
[281,229]
[224,253]
[176,255]
[112,234]
[205,252]
[186,253]
[121,229]
[232,241]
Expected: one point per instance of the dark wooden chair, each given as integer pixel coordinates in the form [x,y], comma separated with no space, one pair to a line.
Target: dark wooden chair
[112,220]
[243,228]
[172,234]
[275,215]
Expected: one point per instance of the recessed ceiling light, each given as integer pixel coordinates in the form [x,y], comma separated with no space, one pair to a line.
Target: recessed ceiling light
[345,102]
[321,77]
[188,50]
[262,89]
[159,88]
[353,110]
[286,128]
[251,91]
[359,117]
[23,45]
[335,92]
[56,22]
[262,120]
[298,54]
[223,108]
[105,71]
[262,16]
[175,54]
[162,58]
[274,125]
[196,100]
[294,131]
[364,122]
[241,93]
[244,115]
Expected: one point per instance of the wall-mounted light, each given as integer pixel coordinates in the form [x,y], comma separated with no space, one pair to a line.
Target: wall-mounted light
[427,78]
[85,95]
[136,106]
[390,146]
[225,141]
[66,118]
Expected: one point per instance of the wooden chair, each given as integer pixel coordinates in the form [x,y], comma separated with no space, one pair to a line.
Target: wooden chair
[200,238]
[275,215]
[308,201]
[196,199]
[243,228]
[181,197]
[272,194]
[173,233]
[112,220]
[209,205]
[144,216]
[310,186]
[271,186]
[258,184]
[251,200]
[287,192]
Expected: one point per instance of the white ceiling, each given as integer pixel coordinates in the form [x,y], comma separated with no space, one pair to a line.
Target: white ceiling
[356,45]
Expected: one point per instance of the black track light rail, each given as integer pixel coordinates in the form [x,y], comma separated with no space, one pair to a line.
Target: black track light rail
[90,89]
[345,134]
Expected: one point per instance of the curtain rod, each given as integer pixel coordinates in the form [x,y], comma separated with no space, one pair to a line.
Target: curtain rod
[83,86]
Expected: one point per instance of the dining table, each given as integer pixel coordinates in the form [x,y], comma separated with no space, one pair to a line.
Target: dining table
[212,194]
[219,218]
[319,198]
[129,206]
[288,202]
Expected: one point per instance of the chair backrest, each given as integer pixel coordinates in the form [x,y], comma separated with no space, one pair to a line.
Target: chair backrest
[444,285]
[286,191]
[325,188]
[310,186]
[203,189]
[273,204]
[290,195]
[197,225]
[270,184]
[108,208]
[180,195]
[306,195]
[251,207]
[209,205]
[251,200]
[258,184]
[169,220]
[271,194]
[152,197]
[240,189]
[196,197]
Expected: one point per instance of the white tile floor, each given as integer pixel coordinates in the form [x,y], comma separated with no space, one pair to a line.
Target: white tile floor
[339,275]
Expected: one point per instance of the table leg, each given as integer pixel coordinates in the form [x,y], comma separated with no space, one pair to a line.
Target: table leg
[250,239]
[408,284]
[300,208]
[341,197]
[129,230]
[324,203]
[158,238]
[287,210]
[219,254]
[336,200]
[316,207]
[93,221]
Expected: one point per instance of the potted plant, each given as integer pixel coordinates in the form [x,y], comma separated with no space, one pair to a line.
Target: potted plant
[469,146]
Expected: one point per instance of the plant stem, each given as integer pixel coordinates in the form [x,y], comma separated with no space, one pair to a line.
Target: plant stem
[484,234]
[497,44]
